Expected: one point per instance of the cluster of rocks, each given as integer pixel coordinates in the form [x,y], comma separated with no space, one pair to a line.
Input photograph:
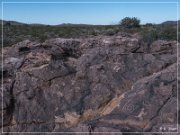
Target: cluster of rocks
[101,84]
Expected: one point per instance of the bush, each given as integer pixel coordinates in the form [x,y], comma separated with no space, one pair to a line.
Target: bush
[148,24]
[167,33]
[42,38]
[159,32]
[110,32]
[149,35]
[129,22]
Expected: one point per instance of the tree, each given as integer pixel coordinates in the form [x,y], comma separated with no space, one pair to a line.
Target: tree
[130,22]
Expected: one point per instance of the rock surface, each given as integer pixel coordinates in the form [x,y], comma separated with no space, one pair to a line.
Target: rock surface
[102,84]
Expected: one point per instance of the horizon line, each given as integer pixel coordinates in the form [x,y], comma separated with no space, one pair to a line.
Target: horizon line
[64,23]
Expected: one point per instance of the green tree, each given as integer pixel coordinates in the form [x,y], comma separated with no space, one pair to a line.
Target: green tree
[130,22]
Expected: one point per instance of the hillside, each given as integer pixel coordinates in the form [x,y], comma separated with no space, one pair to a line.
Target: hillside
[171,22]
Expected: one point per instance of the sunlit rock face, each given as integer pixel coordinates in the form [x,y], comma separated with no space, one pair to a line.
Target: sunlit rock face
[101,84]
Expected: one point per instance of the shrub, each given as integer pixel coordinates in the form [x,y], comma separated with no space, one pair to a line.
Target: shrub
[149,35]
[149,24]
[42,38]
[168,33]
[110,32]
[129,22]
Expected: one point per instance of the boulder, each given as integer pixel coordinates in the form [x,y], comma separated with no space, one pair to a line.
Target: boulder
[101,84]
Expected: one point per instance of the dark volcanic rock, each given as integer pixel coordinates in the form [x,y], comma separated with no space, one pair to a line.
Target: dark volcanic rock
[102,84]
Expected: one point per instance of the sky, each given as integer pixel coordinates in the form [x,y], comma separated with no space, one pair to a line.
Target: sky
[88,13]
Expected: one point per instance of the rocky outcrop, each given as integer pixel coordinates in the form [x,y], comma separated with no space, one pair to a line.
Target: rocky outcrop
[101,84]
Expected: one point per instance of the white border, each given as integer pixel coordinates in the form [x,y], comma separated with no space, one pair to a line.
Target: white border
[148,2]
